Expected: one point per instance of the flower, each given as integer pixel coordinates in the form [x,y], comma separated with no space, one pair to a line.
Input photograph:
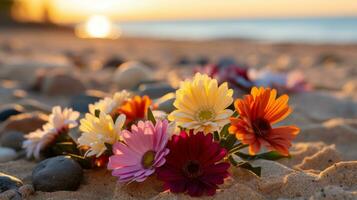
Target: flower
[194,164]
[59,122]
[257,113]
[99,131]
[236,76]
[143,150]
[109,105]
[201,104]
[135,109]
[287,82]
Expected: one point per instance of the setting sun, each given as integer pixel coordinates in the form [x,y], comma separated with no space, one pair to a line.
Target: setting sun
[97,26]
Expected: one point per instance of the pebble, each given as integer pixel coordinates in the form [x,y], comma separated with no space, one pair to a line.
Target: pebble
[202,61]
[7,154]
[10,110]
[130,74]
[26,190]
[56,174]
[57,83]
[113,62]
[155,90]
[25,122]
[80,102]
[166,103]
[226,62]
[183,61]
[12,139]
[8,182]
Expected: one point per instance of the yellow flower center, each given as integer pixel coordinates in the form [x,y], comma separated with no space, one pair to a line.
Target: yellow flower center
[148,159]
[205,115]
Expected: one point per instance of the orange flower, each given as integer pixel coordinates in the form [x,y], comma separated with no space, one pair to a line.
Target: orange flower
[257,113]
[135,108]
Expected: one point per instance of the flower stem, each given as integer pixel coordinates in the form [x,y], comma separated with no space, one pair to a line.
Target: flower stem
[237,147]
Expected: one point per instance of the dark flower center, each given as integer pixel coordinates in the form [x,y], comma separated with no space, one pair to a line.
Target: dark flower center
[192,169]
[261,127]
[148,159]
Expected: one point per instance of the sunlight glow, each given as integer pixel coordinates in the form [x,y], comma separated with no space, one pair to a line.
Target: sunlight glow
[97,26]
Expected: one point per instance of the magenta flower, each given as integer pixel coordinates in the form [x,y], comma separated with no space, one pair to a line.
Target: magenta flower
[194,165]
[141,152]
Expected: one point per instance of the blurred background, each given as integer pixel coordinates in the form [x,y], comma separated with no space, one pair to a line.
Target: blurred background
[274,20]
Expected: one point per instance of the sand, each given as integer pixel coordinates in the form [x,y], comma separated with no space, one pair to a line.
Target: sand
[324,155]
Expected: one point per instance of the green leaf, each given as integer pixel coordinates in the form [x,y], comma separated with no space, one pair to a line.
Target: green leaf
[109,146]
[224,132]
[85,162]
[235,114]
[272,155]
[216,136]
[245,165]
[151,116]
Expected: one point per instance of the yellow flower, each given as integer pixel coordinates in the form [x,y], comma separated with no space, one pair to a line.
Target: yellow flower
[98,131]
[201,104]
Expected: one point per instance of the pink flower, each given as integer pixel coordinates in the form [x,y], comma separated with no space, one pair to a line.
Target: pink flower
[141,152]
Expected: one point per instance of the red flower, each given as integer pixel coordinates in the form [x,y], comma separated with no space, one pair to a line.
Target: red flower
[194,164]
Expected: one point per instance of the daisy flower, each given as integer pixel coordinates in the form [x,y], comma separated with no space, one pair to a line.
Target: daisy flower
[135,109]
[201,104]
[257,113]
[99,131]
[141,152]
[59,123]
[109,105]
[194,164]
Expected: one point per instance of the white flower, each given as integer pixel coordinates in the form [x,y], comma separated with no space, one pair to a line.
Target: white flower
[99,131]
[108,105]
[59,122]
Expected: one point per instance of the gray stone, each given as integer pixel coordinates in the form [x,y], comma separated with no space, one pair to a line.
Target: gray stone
[57,83]
[7,154]
[80,102]
[9,110]
[25,122]
[130,74]
[166,105]
[56,174]
[26,190]
[8,182]
[12,139]
[113,62]
[155,90]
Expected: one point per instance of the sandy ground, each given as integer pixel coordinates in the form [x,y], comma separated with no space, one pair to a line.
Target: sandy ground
[324,163]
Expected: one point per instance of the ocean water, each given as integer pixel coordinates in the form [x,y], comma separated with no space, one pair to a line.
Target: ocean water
[310,30]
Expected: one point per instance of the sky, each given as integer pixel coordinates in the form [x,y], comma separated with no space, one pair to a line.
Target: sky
[73,11]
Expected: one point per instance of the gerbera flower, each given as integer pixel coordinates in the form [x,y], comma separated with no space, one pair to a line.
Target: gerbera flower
[194,164]
[135,109]
[109,105]
[99,131]
[59,122]
[201,104]
[143,150]
[257,113]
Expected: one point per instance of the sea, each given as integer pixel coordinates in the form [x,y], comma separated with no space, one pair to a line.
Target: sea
[308,30]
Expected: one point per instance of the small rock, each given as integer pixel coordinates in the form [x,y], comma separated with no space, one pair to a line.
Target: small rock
[12,139]
[34,105]
[10,110]
[8,182]
[155,90]
[80,102]
[202,61]
[57,173]
[166,103]
[10,195]
[62,83]
[226,62]
[26,190]
[25,122]
[7,154]
[113,62]
[183,61]
[130,74]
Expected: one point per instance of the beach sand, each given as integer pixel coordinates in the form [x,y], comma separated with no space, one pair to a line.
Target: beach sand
[324,155]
